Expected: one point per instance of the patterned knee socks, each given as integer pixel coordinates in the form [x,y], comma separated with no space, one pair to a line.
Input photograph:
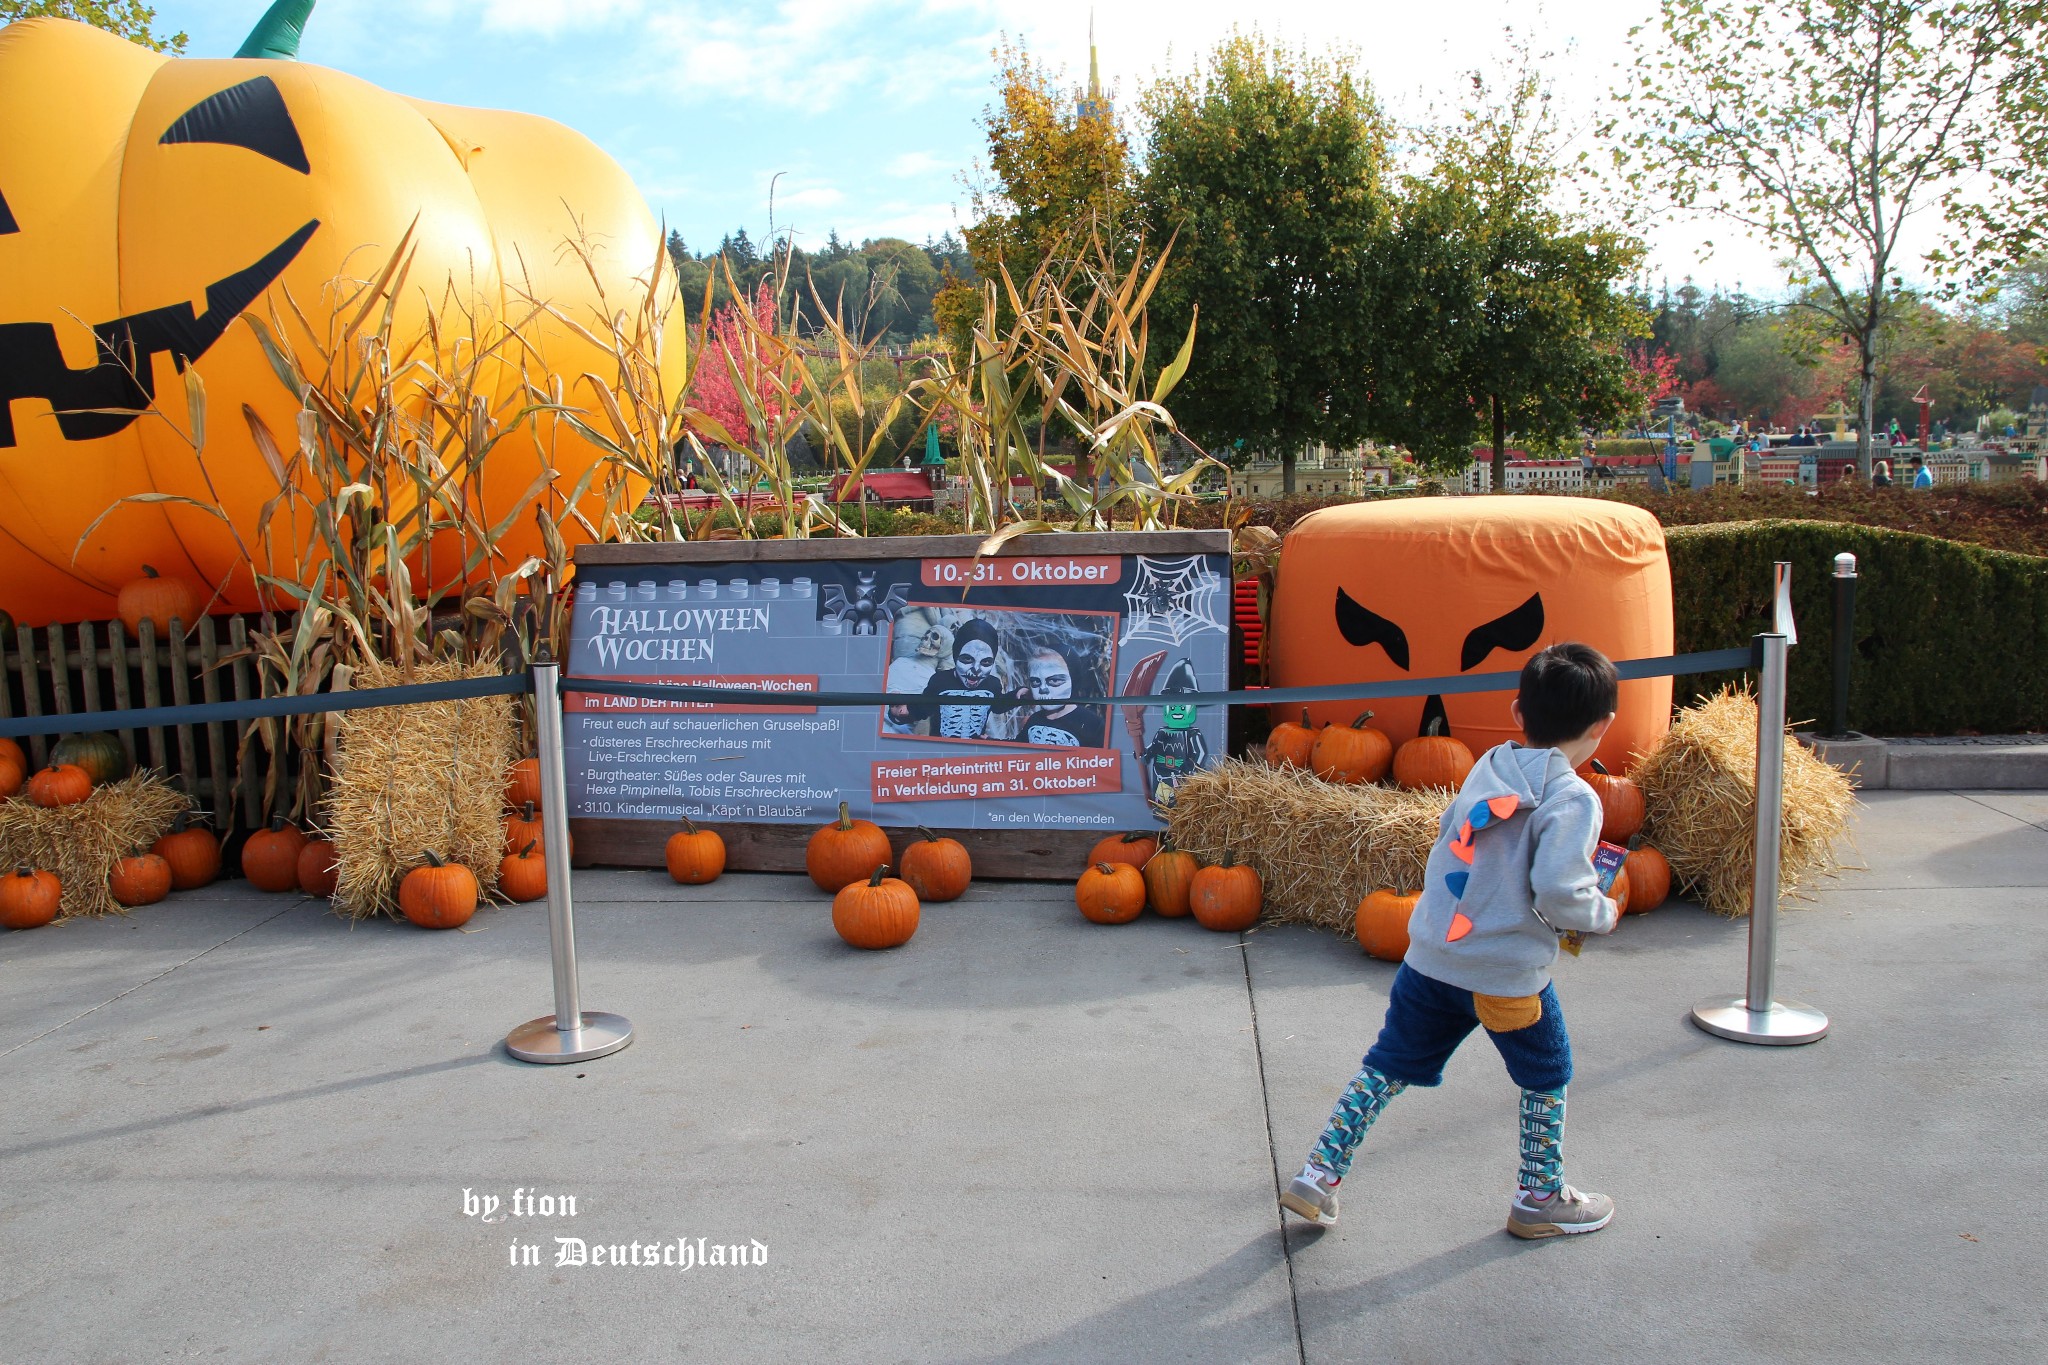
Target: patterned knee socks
[1356,1109]
[1542,1141]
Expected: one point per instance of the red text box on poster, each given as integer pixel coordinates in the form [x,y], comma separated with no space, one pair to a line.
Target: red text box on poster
[607,704]
[1023,571]
[997,777]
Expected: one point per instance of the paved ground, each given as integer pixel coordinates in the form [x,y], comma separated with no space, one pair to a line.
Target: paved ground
[237,1129]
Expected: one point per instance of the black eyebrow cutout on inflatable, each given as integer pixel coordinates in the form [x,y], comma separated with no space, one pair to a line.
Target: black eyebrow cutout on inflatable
[7,223]
[1361,627]
[1518,629]
[250,115]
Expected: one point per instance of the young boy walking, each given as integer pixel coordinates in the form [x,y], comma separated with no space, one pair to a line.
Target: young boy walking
[1512,868]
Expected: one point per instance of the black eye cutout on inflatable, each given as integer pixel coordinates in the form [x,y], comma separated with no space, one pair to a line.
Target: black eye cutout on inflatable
[251,115]
[1517,630]
[7,223]
[1361,627]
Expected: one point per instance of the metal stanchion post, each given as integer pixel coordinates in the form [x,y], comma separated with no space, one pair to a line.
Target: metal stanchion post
[1757,1015]
[571,1033]
[1845,638]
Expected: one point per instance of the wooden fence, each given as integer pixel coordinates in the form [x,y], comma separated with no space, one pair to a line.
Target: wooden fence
[81,669]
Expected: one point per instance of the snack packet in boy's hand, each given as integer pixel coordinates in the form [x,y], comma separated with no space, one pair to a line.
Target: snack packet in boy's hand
[1607,861]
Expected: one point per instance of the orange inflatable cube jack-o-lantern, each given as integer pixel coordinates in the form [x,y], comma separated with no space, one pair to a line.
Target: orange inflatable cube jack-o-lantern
[1432,587]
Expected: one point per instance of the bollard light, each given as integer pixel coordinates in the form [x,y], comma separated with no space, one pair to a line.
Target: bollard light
[1845,639]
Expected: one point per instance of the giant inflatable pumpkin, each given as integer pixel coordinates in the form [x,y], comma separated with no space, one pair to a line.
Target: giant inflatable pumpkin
[147,201]
[1434,587]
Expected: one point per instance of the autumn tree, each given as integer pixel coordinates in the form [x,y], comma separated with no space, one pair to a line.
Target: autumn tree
[1059,168]
[131,19]
[1264,167]
[1499,313]
[1826,126]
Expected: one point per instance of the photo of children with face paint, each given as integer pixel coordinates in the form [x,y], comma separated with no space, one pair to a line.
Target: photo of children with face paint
[960,660]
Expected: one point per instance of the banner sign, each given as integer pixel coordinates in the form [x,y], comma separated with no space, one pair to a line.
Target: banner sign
[951,634]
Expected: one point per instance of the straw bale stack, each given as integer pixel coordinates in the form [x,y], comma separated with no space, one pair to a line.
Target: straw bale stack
[412,778]
[1317,846]
[81,843]
[1699,798]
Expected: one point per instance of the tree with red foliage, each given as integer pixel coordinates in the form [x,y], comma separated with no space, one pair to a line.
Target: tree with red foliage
[728,351]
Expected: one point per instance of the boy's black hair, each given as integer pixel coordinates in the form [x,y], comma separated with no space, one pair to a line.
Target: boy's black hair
[1566,689]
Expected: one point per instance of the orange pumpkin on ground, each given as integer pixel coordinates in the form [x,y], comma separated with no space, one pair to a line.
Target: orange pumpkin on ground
[143,879]
[523,876]
[28,898]
[522,784]
[880,912]
[1352,754]
[1432,759]
[694,856]
[523,827]
[439,895]
[11,747]
[1135,848]
[1383,923]
[1621,803]
[1432,587]
[60,786]
[846,851]
[12,779]
[317,869]
[192,852]
[936,869]
[1168,879]
[157,600]
[270,857]
[1227,897]
[1649,879]
[1110,893]
[1289,745]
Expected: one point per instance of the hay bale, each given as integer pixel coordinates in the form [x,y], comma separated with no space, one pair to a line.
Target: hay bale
[1699,798]
[1317,846]
[412,778]
[82,843]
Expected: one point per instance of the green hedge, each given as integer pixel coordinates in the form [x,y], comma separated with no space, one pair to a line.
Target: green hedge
[1949,637]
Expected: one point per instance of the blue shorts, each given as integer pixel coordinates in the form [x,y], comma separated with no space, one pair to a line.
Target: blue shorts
[1427,1019]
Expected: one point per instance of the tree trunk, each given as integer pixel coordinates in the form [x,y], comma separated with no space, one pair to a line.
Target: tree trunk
[1867,401]
[1500,445]
[1287,459]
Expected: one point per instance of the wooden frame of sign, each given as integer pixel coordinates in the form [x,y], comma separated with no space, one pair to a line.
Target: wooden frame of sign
[1021,852]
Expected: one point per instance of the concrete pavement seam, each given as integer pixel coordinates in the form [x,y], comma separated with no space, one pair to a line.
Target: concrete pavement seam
[1251,999]
[2030,824]
[58,1028]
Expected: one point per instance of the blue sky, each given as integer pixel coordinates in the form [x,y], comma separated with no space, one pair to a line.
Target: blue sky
[864,112]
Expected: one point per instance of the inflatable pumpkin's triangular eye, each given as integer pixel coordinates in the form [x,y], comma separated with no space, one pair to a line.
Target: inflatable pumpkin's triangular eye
[7,223]
[251,115]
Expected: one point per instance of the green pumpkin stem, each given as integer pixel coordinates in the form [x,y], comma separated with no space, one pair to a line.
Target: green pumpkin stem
[149,572]
[1363,717]
[1136,836]
[526,812]
[433,860]
[1600,768]
[929,837]
[689,826]
[1229,858]
[277,823]
[1436,727]
[526,852]
[880,873]
[845,816]
[1306,724]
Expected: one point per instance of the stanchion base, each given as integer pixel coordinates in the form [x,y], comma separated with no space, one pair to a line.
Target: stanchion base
[1787,1023]
[538,1040]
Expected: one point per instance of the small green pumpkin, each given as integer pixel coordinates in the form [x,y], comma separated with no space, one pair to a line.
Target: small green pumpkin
[99,753]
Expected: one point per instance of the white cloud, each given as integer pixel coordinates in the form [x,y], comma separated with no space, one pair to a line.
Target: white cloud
[906,165]
[550,17]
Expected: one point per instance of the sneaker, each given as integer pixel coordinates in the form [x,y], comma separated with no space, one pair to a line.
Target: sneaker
[1566,1212]
[1313,1195]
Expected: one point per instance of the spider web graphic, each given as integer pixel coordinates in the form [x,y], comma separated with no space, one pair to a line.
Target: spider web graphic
[1171,600]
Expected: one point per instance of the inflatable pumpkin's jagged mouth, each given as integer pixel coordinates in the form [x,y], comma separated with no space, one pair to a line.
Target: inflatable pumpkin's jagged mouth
[105,398]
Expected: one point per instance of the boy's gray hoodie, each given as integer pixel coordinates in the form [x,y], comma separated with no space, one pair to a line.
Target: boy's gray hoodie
[1520,833]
